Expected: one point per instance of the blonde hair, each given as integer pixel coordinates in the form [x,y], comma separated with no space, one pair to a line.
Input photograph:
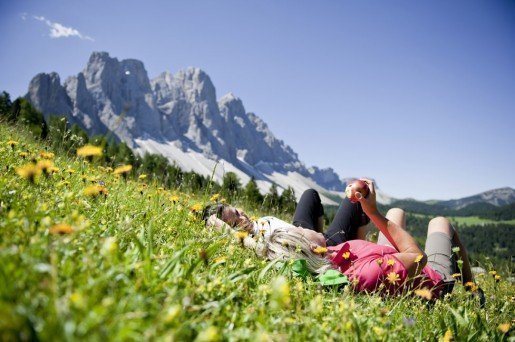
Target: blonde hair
[289,245]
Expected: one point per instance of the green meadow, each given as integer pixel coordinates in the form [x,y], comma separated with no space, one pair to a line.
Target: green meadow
[87,253]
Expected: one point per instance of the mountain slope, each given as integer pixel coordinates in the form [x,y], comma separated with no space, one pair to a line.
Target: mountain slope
[177,115]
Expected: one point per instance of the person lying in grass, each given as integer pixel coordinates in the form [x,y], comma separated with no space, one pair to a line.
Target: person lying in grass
[392,265]
[350,222]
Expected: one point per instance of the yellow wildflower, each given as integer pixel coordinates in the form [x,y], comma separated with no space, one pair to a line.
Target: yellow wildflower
[12,143]
[45,166]
[241,234]
[448,336]
[504,327]
[70,171]
[211,334]
[418,258]
[142,176]
[390,262]
[23,154]
[174,198]
[424,293]
[471,286]
[456,275]
[122,169]
[320,250]
[29,171]
[46,155]
[214,198]
[108,169]
[346,255]
[197,207]
[393,277]
[497,278]
[219,259]
[493,273]
[95,190]
[172,313]
[61,228]
[280,292]
[89,151]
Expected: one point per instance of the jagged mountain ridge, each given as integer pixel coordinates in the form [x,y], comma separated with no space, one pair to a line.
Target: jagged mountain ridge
[498,197]
[176,115]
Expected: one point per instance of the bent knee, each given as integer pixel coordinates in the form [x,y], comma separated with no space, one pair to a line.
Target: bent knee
[395,212]
[440,224]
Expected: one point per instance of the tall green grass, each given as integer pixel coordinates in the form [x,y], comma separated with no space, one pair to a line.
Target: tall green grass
[138,264]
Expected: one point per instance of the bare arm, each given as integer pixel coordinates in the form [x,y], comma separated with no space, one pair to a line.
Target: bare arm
[398,237]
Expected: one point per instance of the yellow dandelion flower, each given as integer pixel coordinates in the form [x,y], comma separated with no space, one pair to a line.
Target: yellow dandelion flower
[209,335]
[456,275]
[424,293]
[61,228]
[142,176]
[448,336]
[418,258]
[219,259]
[46,155]
[89,151]
[241,234]
[29,171]
[346,255]
[393,278]
[197,207]
[214,198]
[280,292]
[172,313]
[497,278]
[174,198]
[471,286]
[379,261]
[95,190]
[504,327]
[45,166]
[390,262]
[23,154]
[12,143]
[122,169]
[320,250]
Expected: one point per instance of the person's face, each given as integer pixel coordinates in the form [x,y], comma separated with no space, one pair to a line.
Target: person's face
[234,217]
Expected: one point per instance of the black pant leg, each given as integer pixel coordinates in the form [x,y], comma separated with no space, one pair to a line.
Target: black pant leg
[348,218]
[308,210]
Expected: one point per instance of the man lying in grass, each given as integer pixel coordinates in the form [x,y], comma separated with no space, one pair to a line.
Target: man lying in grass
[392,265]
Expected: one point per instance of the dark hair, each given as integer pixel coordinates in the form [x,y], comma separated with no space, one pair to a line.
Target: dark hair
[213,209]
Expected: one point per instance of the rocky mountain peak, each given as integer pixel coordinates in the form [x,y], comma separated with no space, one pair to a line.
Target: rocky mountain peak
[176,115]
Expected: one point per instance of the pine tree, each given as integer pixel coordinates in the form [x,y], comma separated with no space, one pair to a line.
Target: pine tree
[271,201]
[252,193]
[231,186]
[288,201]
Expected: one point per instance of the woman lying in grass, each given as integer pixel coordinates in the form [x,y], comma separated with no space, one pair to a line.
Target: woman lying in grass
[393,264]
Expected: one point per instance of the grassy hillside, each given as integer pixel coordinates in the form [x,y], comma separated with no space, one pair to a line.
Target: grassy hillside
[87,254]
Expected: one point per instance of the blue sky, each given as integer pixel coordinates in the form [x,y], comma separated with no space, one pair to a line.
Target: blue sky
[419,95]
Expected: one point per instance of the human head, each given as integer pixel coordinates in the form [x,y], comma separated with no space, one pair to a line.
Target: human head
[234,217]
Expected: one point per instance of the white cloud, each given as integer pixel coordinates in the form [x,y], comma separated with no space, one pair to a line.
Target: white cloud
[60,31]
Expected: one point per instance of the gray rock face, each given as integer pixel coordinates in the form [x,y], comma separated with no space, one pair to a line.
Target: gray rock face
[117,96]
[327,178]
[48,95]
